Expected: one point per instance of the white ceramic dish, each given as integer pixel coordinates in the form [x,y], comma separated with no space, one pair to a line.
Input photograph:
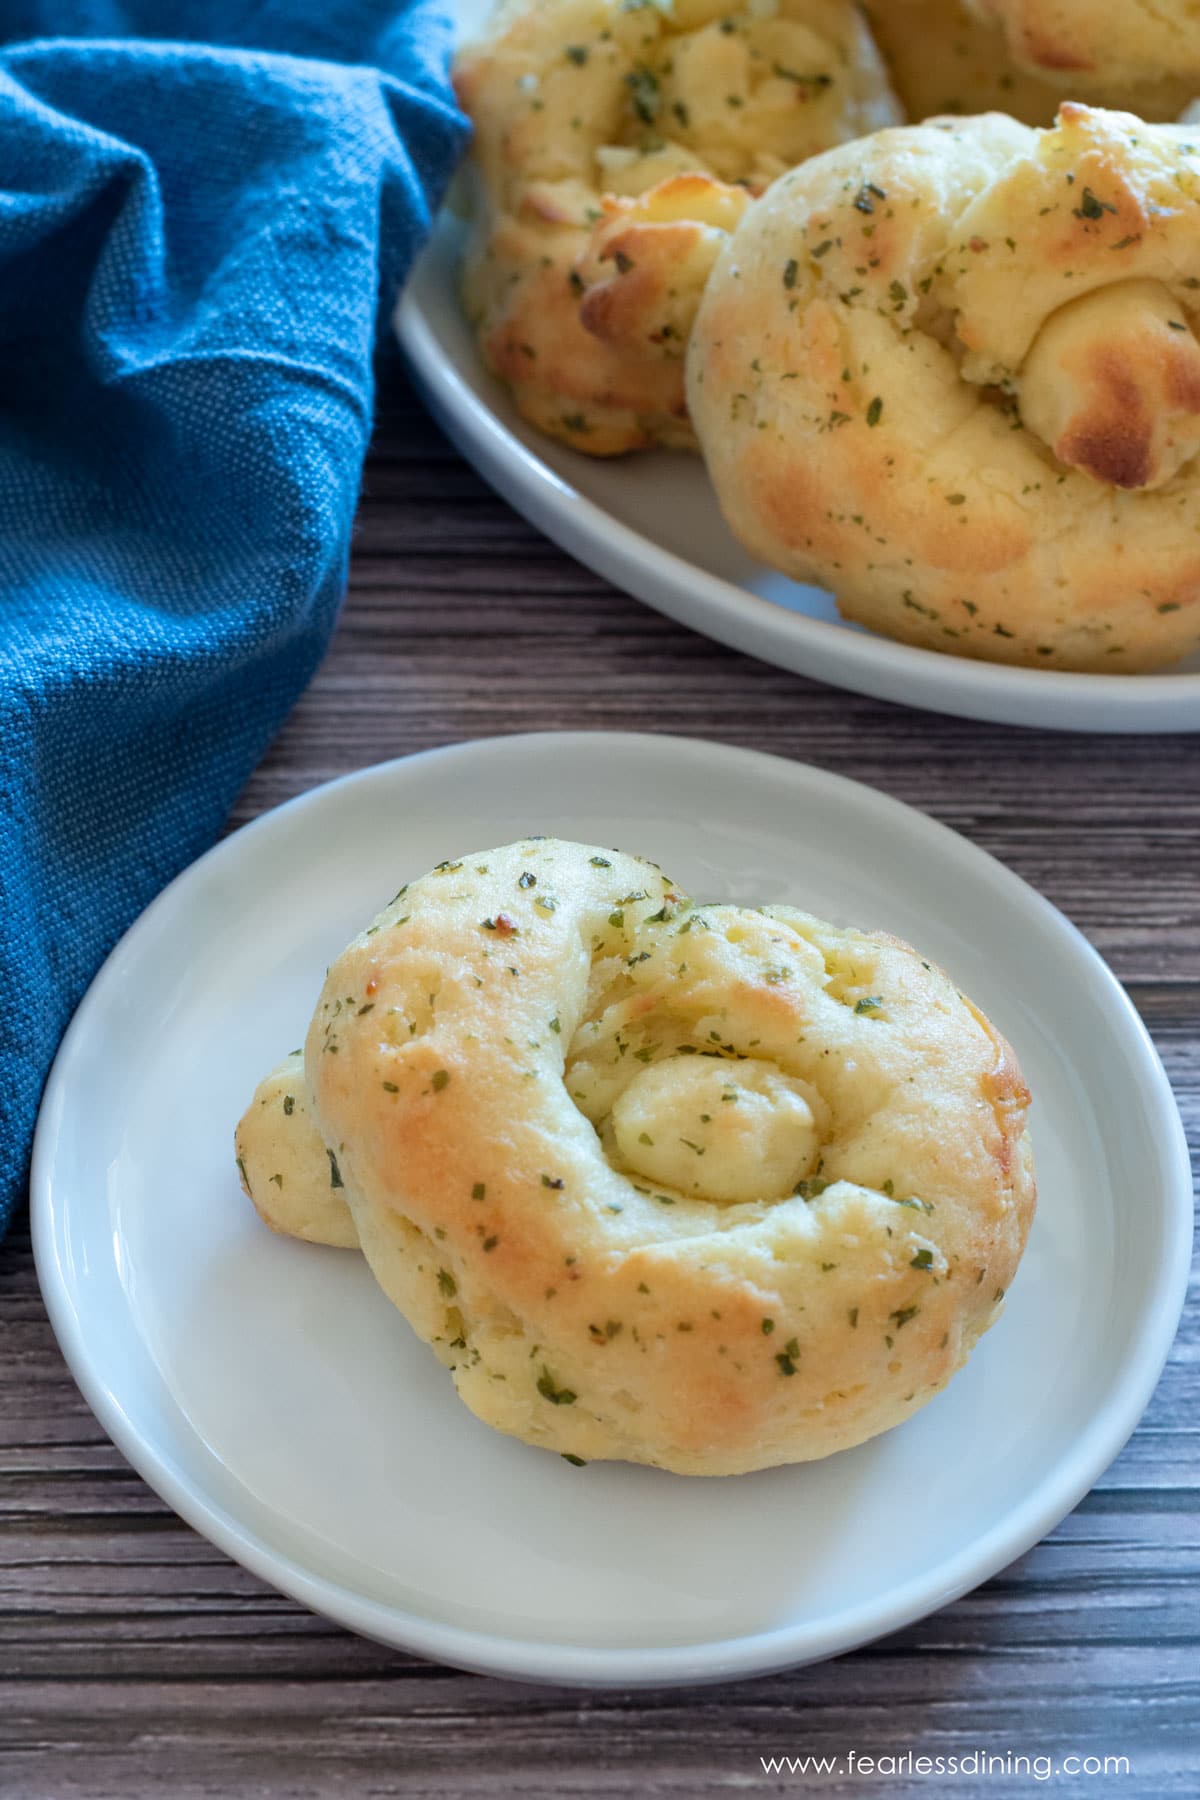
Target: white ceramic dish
[272,1396]
[651,525]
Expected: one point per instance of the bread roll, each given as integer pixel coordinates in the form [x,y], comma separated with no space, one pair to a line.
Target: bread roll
[951,372]
[702,1186]
[615,146]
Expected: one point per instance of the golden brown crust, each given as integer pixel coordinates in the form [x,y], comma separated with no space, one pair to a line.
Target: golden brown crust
[647,262]
[552,1081]
[951,373]
[1112,385]
[565,379]
[615,147]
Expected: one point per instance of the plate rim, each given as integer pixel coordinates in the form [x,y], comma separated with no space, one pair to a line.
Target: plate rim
[860,661]
[715,1659]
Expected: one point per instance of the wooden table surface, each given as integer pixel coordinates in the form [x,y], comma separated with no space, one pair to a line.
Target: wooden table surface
[137,1661]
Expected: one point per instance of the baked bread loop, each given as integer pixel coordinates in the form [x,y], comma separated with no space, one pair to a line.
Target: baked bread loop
[682,109]
[701,1186]
[951,373]
[1100,41]
[285,1166]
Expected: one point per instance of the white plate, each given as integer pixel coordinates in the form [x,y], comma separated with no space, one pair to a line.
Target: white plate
[651,525]
[270,1394]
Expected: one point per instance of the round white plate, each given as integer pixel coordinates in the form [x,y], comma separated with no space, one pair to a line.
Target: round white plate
[651,525]
[270,1393]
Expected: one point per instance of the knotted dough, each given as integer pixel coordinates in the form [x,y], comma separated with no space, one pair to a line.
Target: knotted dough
[615,147]
[951,372]
[702,1186]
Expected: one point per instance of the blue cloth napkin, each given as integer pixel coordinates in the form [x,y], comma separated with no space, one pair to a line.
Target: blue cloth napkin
[203,209]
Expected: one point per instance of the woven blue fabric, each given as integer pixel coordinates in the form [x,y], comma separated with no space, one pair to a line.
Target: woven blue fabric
[203,209]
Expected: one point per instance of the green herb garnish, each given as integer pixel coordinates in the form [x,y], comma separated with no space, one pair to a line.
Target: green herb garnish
[1090,207]
[645,93]
[813,81]
[811,1189]
[549,1390]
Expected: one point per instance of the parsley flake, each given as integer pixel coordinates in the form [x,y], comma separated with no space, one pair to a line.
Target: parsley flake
[549,1390]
